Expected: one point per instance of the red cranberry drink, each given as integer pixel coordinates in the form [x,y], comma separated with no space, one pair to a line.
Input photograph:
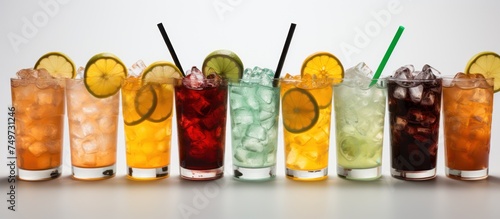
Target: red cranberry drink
[201,106]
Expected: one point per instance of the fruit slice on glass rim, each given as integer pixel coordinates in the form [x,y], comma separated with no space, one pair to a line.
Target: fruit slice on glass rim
[138,102]
[104,74]
[159,77]
[225,63]
[487,64]
[57,64]
[299,110]
[322,65]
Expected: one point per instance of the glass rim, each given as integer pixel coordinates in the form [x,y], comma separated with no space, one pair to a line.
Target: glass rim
[467,79]
[438,78]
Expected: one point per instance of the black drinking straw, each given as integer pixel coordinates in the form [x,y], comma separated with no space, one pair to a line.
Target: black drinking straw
[285,50]
[170,47]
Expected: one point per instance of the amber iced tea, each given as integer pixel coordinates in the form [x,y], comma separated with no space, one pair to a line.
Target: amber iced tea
[467,111]
[39,116]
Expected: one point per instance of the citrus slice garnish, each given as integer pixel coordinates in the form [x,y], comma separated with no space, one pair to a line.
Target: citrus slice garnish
[57,64]
[300,110]
[104,74]
[225,63]
[487,64]
[159,75]
[160,71]
[146,101]
[322,64]
[138,102]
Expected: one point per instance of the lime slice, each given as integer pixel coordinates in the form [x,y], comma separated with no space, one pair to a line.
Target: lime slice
[300,110]
[225,63]
[57,64]
[104,74]
[487,64]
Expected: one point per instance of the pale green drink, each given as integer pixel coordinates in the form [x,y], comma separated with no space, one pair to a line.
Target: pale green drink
[359,115]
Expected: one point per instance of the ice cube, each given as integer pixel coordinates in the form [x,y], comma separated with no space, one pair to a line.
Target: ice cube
[256,131]
[400,93]
[194,79]
[351,117]
[400,123]
[266,94]
[428,99]
[404,72]
[429,72]
[107,124]
[27,73]
[80,72]
[37,148]
[242,116]
[416,93]
[360,71]
[252,144]
[136,69]
[89,145]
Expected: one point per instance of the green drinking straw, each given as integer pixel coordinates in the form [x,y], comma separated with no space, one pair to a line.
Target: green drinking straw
[387,54]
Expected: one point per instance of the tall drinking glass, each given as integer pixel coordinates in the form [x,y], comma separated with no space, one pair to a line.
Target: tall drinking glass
[467,112]
[147,115]
[306,112]
[359,118]
[92,129]
[254,110]
[414,112]
[201,126]
[39,124]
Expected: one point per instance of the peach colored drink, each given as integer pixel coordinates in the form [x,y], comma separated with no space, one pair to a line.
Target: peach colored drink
[92,128]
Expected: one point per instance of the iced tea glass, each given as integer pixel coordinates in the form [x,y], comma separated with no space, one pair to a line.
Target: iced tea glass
[201,126]
[306,112]
[147,115]
[359,119]
[467,114]
[254,110]
[39,124]
[414,113]
[92,130]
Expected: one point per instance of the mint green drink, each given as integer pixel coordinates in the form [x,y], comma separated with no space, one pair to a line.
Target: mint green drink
[359,115]
[254,108]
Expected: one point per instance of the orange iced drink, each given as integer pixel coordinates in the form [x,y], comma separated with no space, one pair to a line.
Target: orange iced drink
[147,114]
[306,111]
[38,99]
[467,111]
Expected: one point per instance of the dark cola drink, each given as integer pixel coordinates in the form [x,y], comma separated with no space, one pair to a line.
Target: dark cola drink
[414,99]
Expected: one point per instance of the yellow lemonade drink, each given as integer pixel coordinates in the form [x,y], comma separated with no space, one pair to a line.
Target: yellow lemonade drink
[306,111]
[147,114]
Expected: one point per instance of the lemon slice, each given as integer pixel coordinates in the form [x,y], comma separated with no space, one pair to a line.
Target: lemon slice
[487,64]
[225,63]
[104,74]
[160,71]
[159,75]
[300,110]
[57,64]
[322,64]
[138,102]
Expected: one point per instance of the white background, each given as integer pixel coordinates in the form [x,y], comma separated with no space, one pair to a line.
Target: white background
[444,34]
